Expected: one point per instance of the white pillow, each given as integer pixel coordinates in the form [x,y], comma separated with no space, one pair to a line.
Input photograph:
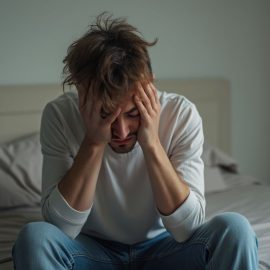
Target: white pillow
[215,161]
[213,180]
[20,172]
[212,157]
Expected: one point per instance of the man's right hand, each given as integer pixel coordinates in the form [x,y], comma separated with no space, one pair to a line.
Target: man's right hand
[79,184]
[98,128]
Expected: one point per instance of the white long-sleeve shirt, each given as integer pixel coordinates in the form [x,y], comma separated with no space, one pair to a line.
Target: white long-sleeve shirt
[124,209]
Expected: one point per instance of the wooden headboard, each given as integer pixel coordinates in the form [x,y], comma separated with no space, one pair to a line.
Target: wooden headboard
[21,107]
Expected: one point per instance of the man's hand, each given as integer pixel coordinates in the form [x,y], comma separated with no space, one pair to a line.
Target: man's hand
[98,128]
[78,186]
[148,104]
[169,190]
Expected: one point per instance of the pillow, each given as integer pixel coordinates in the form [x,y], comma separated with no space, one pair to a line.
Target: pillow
[20,172]
[213,157]
[215,162]
[213,180]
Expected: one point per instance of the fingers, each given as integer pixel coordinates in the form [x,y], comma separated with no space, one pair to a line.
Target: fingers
[152,95]
[156,96]
[148,97]
[85,99]
[91,102]
[144,97]
[143,111]
[112,117]
[82,96]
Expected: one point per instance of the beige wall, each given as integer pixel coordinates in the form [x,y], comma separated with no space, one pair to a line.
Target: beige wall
[210,38]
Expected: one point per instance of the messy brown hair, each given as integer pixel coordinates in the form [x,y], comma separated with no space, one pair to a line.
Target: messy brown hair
[108,59]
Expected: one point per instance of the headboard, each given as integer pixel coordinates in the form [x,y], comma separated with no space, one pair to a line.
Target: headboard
[21,107]
[212,98]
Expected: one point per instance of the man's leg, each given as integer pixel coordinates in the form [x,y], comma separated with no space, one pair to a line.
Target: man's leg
[41,245]
[232,243]
[225,242]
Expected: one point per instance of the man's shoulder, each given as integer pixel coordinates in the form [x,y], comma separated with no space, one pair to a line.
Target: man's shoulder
[179,117]
[61,118]
[177,111]
[67,99]
[63,104]
[175,102]
[63,111]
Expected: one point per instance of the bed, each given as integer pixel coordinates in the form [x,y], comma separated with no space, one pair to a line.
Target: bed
[21,160]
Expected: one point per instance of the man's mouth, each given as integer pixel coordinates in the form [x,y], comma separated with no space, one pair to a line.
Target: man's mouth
[123,141]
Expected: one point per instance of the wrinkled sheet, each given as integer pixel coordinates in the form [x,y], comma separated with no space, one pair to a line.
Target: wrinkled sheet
[252,201]
[11,221]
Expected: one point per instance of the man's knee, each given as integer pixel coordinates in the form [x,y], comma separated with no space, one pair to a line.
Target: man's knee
[34,235]
[233,227]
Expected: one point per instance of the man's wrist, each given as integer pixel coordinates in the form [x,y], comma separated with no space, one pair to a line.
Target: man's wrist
[90,146]
[152,147]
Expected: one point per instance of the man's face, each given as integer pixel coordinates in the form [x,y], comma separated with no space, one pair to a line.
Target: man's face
[125,128]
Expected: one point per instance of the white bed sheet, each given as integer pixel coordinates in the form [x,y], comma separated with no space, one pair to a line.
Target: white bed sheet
[252,201]
[11,221]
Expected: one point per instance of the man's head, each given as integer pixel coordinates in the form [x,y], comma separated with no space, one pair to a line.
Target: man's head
[108,60]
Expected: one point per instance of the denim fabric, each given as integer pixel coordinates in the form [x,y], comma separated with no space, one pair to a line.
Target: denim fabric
[226,242]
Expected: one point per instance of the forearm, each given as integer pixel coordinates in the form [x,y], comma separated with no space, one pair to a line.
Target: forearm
[169,190]
[79,184]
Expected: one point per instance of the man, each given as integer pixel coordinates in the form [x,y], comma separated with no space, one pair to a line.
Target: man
[122,171]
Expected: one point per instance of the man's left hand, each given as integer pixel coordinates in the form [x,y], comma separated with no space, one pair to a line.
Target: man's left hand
[148,104]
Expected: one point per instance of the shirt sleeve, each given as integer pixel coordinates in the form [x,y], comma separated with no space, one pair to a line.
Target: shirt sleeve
[57,160]
[185,156]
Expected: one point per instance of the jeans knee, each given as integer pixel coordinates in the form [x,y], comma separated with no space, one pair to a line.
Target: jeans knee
[234,227]
[33,235]
[41,243]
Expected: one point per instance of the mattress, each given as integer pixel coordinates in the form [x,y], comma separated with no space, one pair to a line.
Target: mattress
[11,221]
[252,201]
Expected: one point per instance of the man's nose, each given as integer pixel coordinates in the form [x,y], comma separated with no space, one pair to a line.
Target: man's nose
[120,128]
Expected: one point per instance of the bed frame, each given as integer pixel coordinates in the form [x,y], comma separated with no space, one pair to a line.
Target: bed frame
[21,107]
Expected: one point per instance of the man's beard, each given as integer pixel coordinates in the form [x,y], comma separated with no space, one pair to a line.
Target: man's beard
[127,145]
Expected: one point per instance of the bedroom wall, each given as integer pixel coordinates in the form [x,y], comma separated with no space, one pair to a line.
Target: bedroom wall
[197,39]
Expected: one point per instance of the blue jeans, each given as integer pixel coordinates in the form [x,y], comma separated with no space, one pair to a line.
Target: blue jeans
[226,242]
